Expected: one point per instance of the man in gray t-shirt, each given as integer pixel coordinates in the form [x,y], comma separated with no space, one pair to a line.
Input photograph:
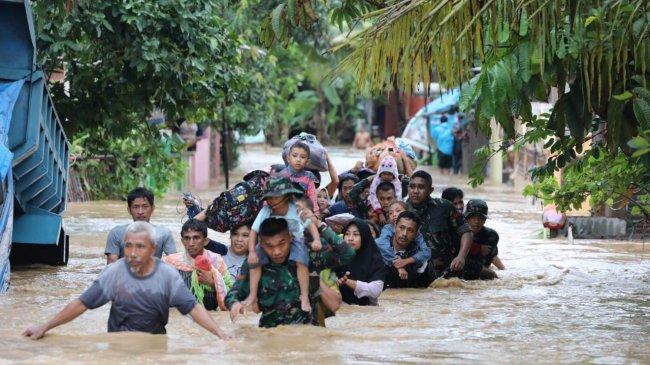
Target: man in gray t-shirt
[162,238]
[140,205]
[139,303]
[141,288]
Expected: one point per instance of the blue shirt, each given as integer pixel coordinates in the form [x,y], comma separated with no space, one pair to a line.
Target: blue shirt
[340,207]
[444,137]
[385,245]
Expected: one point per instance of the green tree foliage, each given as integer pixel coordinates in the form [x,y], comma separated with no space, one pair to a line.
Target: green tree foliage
[123,59]
[594,54]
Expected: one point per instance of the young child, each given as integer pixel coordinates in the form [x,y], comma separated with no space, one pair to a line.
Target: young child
[484,246]
[387,172]
[279,203]
[297,158]
[323,200]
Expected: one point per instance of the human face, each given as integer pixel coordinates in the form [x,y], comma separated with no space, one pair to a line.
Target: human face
[277,247]
[346,187]
[321,198]
[353,237]
[385,198]
[298,158]
[459,204]
[419,191]
[476,222]
[394,211]
[276,202]
[138,249]
[405,232]
[140,209]
[239,240]
[193,242]
[386,176]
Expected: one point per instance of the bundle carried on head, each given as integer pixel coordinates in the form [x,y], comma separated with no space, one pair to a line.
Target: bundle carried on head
[317,153]
[401,151]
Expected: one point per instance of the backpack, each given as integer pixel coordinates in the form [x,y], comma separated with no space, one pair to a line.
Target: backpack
[239,205]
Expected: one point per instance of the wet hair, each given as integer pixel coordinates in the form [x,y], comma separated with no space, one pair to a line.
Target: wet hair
[452,193]
[305,200]
[343,178]
[140,227]
[423,175]
[386,186]
[273,226]
[237,227]
[139,192]
[301,145]
[373,228]
[364,173]
[400,203]
[408,215]
[196,226]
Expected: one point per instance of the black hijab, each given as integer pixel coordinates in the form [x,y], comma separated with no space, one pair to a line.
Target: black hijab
[367,264]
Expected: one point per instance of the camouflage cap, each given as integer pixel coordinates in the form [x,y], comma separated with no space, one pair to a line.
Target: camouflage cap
[476,206]
[279,186]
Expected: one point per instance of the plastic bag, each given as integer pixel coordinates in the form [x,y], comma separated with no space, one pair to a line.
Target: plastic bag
[317,153]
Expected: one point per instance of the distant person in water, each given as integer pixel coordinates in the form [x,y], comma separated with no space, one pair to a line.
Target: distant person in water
[362,139]
[140,205]
[141,289]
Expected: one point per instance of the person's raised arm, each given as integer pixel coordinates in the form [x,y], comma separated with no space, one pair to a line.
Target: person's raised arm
[71,311]
[334,183]
[201,316]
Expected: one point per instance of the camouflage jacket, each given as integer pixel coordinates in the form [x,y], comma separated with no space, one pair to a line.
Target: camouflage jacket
[334,254]
[278,293]
[442,227]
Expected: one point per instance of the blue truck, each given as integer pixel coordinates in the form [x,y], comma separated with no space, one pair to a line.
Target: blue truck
[34,151]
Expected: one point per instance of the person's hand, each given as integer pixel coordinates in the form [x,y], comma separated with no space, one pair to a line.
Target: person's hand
[223,335]
[253,259]
[402,273]
[357,166]
[236,310]
[382,219]
[308,214]
[399,263]
[458,264]
[316,245]
[35,332]
[205,277]
[344,279]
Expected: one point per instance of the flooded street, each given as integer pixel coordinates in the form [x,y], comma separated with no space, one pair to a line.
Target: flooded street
[588,302]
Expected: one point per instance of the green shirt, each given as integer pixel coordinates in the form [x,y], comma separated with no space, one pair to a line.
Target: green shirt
[278,293]
[442,227]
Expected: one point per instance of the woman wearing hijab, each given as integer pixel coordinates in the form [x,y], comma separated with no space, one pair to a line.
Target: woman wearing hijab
[362,281]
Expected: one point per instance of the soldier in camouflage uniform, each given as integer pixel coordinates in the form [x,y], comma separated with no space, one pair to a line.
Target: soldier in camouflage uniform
[443,227]
[279,293]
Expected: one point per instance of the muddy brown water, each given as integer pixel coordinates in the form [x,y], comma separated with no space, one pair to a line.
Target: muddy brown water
[583,303]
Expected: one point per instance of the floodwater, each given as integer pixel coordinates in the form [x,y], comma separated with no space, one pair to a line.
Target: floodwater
[556,303]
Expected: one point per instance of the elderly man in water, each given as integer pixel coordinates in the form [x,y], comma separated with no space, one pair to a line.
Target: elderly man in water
[141,288]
